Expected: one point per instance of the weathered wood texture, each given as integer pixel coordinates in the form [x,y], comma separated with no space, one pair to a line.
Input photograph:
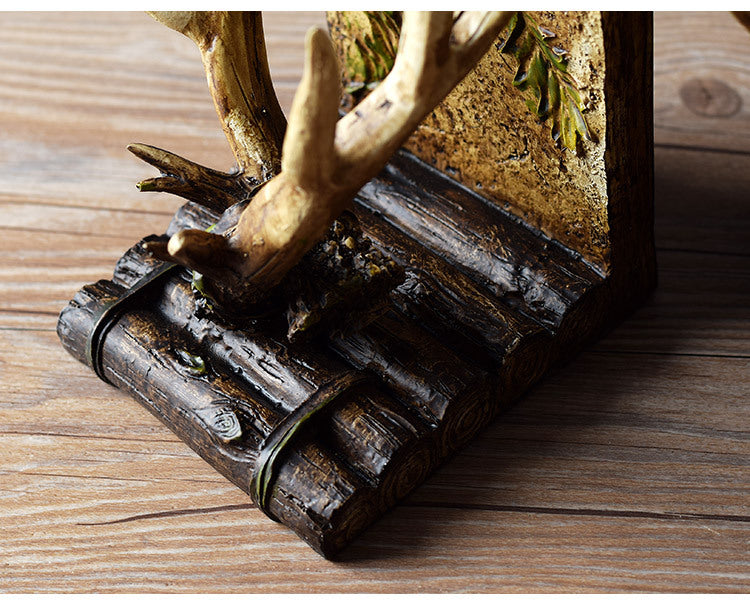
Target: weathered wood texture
[626,471]
[702,82]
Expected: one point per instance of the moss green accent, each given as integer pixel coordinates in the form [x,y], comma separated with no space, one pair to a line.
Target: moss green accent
[369,48]
[198,285]
[543,73]
[194,363]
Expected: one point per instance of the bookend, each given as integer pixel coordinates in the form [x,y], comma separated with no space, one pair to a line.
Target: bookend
[328,407]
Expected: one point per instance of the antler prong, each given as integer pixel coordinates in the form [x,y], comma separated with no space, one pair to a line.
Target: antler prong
[158,250]
[183,177]
[472,32]
[308,156]
[423,46]
[202,251]
[234,56]
[427,67]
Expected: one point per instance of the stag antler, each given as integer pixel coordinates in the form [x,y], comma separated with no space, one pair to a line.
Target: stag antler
[234,56]
[325,161]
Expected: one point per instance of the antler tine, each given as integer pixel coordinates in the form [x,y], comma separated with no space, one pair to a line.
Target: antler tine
[423,48]
[308,155]
[200,250]
[427,67]
[473,30]
[271,224]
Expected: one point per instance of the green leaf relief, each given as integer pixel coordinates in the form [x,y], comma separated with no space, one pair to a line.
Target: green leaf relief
[542,74]
[371,48]
[197,283]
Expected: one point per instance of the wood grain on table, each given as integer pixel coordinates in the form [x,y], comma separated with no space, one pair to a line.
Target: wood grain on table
[626,470]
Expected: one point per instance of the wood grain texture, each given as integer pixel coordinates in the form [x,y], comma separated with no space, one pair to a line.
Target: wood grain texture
[627,470]
[702,81]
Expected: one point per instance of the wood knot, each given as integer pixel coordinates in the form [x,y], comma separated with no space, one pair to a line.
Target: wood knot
[710,98]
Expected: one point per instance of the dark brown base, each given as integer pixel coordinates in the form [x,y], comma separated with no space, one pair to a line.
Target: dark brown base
[488,305]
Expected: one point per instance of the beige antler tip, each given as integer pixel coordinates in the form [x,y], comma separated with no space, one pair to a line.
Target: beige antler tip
[179,20]
[308,151]
[320,57]
[199,249]
[158,250]
[179,242]
[316,35]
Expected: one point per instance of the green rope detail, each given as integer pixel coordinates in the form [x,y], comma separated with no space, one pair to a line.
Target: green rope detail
[111,311]
[287,431]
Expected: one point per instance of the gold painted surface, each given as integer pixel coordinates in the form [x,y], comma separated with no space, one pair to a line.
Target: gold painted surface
[484,136]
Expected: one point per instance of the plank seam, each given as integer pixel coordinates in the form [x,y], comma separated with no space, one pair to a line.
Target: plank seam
[691,148]
[585,512]
[173,513]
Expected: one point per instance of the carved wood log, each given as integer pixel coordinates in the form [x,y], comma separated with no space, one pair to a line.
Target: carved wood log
[534,275]
[142,356]
[485,330]
[462,314]
[377,428]
[383,443]
[381,448]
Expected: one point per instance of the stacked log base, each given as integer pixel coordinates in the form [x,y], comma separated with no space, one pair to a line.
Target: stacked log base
[487,306]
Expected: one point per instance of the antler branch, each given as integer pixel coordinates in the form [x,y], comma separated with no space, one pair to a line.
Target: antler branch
[234,57]
[191,181]
[434,55]
[325,162]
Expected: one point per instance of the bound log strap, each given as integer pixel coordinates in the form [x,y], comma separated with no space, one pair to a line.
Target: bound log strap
[278,439]
[108,314]
[281,436]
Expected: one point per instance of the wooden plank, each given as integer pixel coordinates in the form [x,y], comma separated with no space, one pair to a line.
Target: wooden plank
[170,551]
[701,80]
[645,483]
[649,433]
[701,201]
[43,261]
[699,307]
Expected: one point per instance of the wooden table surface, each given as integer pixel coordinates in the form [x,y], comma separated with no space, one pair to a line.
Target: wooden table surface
[626,470]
